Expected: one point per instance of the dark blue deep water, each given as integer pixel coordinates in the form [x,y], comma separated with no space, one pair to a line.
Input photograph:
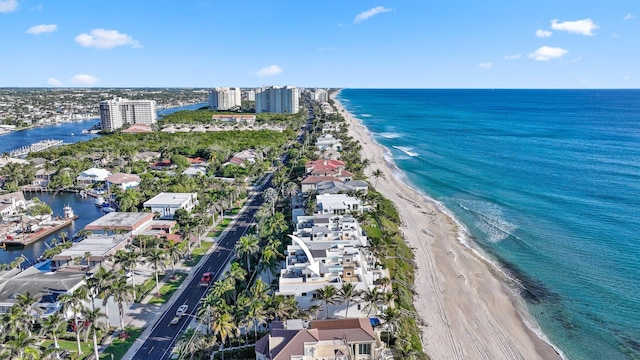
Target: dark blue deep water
[547,182]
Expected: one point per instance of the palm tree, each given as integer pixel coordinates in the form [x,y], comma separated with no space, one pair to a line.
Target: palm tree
[73,302]
[377,174]
[174,252]
[122,293]
[314,310]
[257,316]
[16,320]
[283,308]
[27,304]
[391,316]
[247,246]
[372,298]
[128,261]
[328,295]
[190,341]
[222,289]
[237,273]
[92,319]
[270,196]
[347,293]
[54,324]
[22,346]
[157,258]
[224,326]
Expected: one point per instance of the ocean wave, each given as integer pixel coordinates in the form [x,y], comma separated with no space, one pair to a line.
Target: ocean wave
[366,115]
[406,150]
[489,219]
[390,135]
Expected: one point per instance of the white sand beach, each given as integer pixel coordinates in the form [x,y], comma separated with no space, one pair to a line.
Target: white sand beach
[467,313]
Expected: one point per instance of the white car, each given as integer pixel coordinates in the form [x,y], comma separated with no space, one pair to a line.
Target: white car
[175,320]
[182,309]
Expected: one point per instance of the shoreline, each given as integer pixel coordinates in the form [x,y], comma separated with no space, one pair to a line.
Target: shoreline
[468,310]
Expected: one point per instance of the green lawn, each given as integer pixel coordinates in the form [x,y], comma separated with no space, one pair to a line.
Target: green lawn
[168,289]
[220,227]
[72,347]
[119,346]
[198,253]
[143,289]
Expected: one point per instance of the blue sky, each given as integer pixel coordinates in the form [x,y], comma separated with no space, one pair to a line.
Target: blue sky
[332,43]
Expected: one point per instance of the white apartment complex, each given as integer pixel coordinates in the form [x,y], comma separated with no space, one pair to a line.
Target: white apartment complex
[277,99]
[116,113]
[224,98]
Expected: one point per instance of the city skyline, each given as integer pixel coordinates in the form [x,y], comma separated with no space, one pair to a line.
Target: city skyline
[351,44]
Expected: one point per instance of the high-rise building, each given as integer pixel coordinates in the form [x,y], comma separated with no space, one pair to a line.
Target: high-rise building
[277,99]
[116,113]
[320,95]
[224,98]
[249,95]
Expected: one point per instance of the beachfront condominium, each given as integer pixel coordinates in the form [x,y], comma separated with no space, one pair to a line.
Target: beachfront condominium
[116,113]
[277,99]
[223,98]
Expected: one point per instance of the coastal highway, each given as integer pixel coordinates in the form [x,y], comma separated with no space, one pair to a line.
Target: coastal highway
[163,336]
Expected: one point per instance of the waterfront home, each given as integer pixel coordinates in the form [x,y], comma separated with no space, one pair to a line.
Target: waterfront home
[43,177]
[323,164]
[328,142]
[11,203]
[84,256]
[92,176]
[340,339]
[122,181]
[337,187]
[166,204]
[337,204]
[310,183]
[35,282]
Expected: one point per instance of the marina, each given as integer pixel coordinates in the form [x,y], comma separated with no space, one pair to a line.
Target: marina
[38,146]
[23,235]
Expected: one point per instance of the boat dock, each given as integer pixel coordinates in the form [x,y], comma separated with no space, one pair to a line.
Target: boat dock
[23,239]
[38,146]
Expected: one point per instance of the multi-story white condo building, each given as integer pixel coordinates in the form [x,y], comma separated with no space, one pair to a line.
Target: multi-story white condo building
[277,99]
[224,98]
[249,95]
[116,113]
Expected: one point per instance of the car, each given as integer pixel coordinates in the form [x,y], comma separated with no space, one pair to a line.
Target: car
[175,320]
[182,309]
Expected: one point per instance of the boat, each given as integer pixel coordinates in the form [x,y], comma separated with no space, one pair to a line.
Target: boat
[108,209]
[20,238]
[99,201]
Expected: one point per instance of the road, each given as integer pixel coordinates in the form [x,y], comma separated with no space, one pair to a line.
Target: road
[163,336]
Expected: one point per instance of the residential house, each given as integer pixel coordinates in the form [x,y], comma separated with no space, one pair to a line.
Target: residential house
[310,183]
[99,248]
[35,282]
[123,181]
[338,204]
[244,156]
[163,165]
[166,204]
[92,176]
[337,187]
[43,177]
[328,142]
[342,339]
[11,203]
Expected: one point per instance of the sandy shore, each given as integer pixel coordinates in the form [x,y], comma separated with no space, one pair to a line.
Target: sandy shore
[467,312]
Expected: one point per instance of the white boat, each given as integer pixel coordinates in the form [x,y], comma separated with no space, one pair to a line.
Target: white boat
[99,201]
[108,209]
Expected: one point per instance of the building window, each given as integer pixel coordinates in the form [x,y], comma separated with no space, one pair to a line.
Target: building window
[304,294]
[364,349]
[348,273]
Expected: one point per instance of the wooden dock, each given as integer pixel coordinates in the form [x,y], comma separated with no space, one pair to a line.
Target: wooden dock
[26,239]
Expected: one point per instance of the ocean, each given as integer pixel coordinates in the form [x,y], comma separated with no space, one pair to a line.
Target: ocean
[546,182]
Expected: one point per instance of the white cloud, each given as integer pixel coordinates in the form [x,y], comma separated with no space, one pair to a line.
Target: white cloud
[513,57]
[7,6]
[54,82]
[584,27]
[42,28]
[83,79]
[106,39]
[270,70]
[629,16]
[543,33]
[369,13]
[547,53]
[486,65]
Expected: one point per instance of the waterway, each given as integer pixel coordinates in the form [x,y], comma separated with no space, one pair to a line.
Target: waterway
[70,132]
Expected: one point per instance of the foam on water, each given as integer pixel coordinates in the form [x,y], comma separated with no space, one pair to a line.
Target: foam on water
[489,218]
[407,150]
[390,135]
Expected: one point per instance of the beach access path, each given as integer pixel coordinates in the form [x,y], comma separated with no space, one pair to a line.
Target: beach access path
[466,312]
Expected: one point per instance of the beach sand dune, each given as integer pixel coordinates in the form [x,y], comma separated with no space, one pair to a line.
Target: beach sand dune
[466,312]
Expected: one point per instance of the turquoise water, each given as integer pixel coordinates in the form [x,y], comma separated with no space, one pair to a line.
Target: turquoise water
[547,182]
